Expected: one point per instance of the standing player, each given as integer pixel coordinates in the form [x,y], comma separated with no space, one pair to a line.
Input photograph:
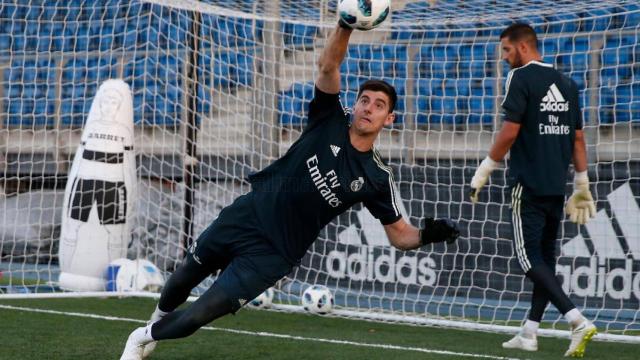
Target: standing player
[261,236]
[543,128]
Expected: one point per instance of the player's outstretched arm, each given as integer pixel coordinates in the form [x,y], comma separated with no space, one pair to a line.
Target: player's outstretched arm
[405,236]
[580,206]
[507,135]
[334,51]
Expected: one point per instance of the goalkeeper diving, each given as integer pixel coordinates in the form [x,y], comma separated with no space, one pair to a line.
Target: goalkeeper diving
[259,238]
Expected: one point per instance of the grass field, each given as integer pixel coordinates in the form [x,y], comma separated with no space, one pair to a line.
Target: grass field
[97,329]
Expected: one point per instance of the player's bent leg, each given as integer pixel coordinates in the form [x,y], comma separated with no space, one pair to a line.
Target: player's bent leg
[211,305]
[179,285]
[581,335]
[542,276]
[176,291]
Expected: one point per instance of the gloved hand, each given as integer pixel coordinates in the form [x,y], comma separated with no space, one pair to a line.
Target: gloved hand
[580,206]
[481,176]
[438,231]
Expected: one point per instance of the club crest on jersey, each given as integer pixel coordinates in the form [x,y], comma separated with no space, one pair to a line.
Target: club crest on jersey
[554,101]
[356,185]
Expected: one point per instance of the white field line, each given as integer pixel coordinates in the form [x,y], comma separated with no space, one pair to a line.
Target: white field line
[266,334]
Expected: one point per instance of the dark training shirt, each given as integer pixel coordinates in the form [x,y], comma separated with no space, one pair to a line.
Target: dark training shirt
[321,176]
[545,103]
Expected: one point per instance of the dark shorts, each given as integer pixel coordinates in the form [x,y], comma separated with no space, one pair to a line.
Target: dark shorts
[234,243]
[535,222]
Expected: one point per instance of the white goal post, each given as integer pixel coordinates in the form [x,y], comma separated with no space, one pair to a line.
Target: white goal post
[220,89]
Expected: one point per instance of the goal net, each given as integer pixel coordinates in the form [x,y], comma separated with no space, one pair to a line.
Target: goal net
[221,89]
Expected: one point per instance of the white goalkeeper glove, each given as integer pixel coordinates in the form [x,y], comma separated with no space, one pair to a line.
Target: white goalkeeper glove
[481,176]
[580,206]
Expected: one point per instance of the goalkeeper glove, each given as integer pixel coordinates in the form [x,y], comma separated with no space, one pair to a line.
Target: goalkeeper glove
[438,231]
[481,176]
[580,206]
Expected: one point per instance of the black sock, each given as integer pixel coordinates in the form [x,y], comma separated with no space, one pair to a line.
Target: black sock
[542,276]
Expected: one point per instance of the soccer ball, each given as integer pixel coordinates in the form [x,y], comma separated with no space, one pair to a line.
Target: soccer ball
[363,14]
[317,299]
[263,300]
[133,275]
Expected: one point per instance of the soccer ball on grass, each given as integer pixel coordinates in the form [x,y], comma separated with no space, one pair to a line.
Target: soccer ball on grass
[363,14]
[317,299]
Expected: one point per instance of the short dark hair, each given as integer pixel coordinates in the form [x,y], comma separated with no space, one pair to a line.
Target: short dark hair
[381,85]
[520,32]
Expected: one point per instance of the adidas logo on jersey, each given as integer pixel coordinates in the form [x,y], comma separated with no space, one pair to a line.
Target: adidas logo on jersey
[608,270]
[335,150]
[554,101]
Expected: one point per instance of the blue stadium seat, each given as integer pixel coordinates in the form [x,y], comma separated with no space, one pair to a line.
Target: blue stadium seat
[31,105]
[606,96]
[430,87]
[30,70]
[596,20]
[421,87]
[565,23]
[348,98]
[130,39]
[350,66]
[632,18]
[578,44]
[465,52]
[396,56]
[617,59]
[298,35]
[166,29]
[210,71]
[435,109]
[101,35]
[402,33]
[421,106]
[244,68]
[550,46]
[234,32]
[157,89]
[400,85]
[622,107]
[75,103]
[359,51]
[239,67]
[303,91]
[382,60]
[10,11]
[352,82]
[478,69]
[291,108]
